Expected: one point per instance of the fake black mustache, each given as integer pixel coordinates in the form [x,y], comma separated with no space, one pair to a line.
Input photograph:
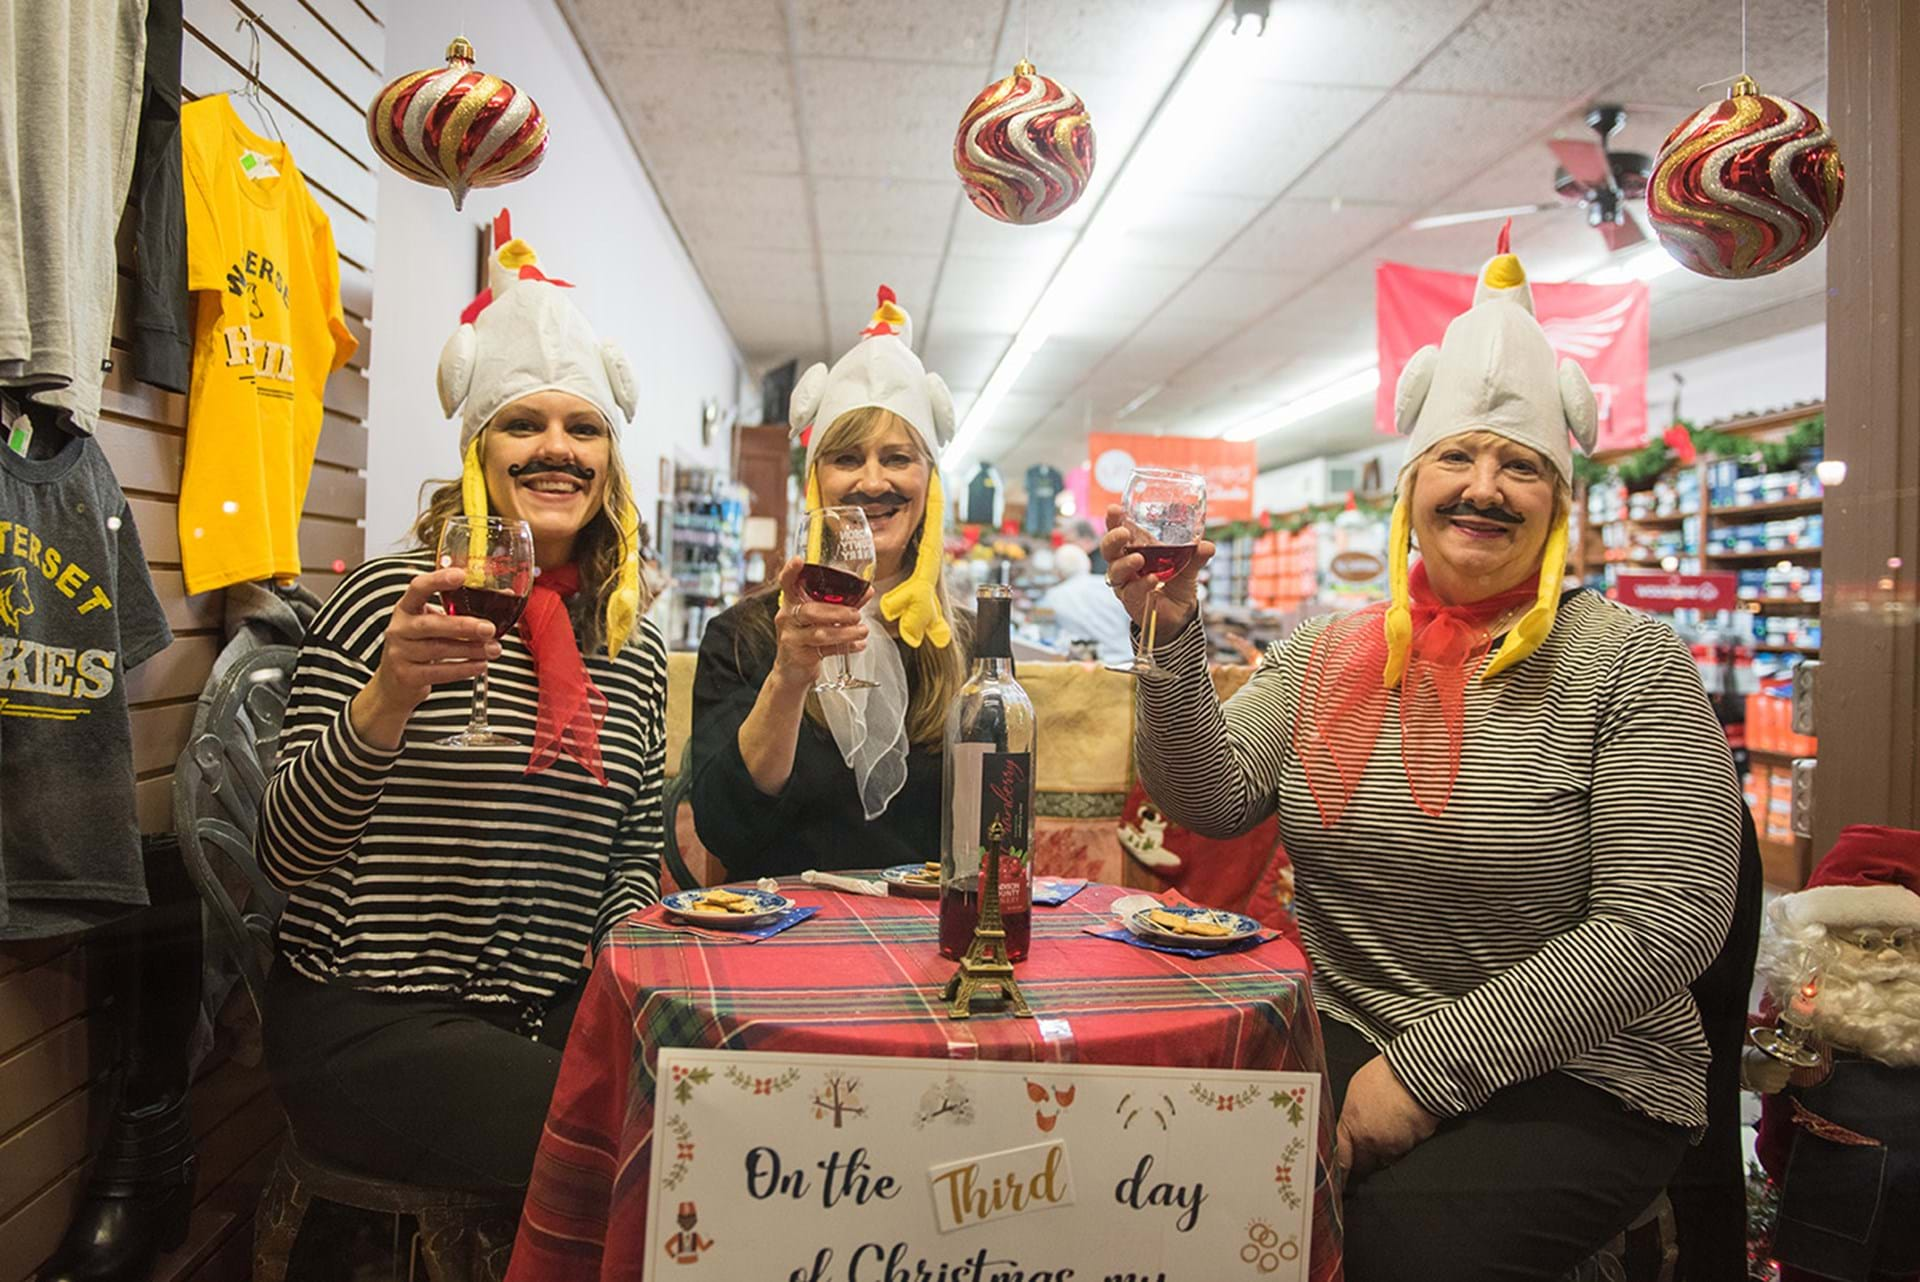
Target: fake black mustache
[1468,510]
[538,467]
[881,503]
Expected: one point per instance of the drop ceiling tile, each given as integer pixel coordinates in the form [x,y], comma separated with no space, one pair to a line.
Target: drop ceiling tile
[1278,130]
[984,295]
[740,275]
[962,359]
[884,215]
[959,31]
[780,330]
[1786,49]
[853,280]
[1186,230]
[714,209]
[1308,236]
[1114,301]
[1355,42]
[1060,366]
[1418,147]
[1567,48]
[1112,37]
[700,108]
[1036,249]
[740,26]
[883,119]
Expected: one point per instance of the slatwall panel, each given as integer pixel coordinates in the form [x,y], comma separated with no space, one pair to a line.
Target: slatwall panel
[320,64]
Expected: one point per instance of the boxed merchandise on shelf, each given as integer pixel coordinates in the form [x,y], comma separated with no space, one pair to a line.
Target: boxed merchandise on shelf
[1795,533]
[1770,728]
[706,526]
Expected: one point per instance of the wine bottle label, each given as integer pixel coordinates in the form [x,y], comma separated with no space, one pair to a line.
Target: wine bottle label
[989,787]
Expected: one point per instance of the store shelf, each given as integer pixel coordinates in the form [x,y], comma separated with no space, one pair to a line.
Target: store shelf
[1780,605]
[1761,558]
[1813,651]
[1766,756]
[1784,863]
[1662,522]
[1785,507]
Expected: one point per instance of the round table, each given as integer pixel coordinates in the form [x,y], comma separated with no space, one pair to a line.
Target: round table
[864,976]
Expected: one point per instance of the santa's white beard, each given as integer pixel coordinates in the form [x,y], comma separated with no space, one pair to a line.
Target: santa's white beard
[1872,1007]
[1866,1005]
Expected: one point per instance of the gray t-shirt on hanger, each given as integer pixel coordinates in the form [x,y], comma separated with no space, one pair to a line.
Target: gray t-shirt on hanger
[70,80]
[77,613]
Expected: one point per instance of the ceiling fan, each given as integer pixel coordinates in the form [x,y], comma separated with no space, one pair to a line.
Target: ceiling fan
[1590,177]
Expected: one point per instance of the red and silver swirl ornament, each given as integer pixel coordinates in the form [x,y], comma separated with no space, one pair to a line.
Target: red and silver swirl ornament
[1746,186]
[456,127]
[1024,150]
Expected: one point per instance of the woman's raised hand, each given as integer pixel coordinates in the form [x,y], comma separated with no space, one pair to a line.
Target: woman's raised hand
[422,647]
[806,632]
[1178,598]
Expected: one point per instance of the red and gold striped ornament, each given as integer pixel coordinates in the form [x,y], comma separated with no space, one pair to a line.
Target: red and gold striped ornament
[456,127]
[1024,149]
[1746,186]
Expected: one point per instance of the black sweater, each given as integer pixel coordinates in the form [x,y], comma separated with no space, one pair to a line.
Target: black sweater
[816,821]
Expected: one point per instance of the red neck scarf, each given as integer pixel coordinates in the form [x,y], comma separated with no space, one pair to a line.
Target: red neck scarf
[571,706]
[1344,700]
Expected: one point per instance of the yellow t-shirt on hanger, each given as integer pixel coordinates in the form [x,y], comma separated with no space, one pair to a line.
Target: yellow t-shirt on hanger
[267,332]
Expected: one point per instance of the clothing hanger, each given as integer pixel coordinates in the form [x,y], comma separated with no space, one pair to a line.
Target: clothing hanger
[250,91]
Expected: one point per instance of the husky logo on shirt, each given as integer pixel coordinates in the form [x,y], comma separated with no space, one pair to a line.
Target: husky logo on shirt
[33,667]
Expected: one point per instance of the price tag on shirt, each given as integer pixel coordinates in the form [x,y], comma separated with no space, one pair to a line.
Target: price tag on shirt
[257,166]
[20,434]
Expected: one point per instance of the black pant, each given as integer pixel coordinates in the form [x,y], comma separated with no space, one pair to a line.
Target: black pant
[425,1090]
[1527,1186]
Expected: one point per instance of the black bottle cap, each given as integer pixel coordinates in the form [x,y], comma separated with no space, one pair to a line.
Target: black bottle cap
[993,622]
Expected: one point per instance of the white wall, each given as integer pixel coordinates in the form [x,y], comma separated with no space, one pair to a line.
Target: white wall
[1753,378]
[592,216]
[1298,485]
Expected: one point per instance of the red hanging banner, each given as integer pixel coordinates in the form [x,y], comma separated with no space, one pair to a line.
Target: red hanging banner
[1228,466]
[1602,327]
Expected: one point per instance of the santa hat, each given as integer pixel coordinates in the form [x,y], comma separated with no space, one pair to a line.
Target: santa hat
[520,336]
[1494,371]
[881,371]
[1871,877]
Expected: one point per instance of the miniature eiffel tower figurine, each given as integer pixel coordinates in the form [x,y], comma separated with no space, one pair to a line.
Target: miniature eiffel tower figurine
[985,969]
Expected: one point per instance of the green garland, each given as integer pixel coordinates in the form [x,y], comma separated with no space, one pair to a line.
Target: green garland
[1656,456]
[1296,521]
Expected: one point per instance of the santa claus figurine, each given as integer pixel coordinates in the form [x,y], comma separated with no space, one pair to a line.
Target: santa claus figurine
[1837,1053]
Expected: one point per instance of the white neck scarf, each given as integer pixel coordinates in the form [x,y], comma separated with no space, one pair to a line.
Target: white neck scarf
[870,726]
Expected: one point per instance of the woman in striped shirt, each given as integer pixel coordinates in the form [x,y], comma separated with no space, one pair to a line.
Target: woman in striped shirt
[444,899]
[1515,828]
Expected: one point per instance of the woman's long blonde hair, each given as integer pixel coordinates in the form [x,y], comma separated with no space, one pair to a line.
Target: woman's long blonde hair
[940,671]
[598,551]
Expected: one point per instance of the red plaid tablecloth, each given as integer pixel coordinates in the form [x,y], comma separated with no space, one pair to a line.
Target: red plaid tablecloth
[863,977]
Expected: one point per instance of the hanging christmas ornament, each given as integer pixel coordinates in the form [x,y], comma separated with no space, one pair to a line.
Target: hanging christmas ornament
[1746,186]
[456,127]
[1024,149]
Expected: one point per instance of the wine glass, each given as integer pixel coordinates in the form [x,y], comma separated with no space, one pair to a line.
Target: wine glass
[836,543]
[1166,514]
[498,557]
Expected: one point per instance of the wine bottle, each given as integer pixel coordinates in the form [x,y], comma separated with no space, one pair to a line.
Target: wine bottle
[987,775]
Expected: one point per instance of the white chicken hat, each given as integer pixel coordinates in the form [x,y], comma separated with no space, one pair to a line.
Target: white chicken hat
[1494,371]
[520,336]
[881,371]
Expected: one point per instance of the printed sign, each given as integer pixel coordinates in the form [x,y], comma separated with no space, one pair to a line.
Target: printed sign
[839,1168]
[1665,593]
[1228,466]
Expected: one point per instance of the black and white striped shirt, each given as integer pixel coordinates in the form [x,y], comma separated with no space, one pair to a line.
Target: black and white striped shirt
[1582,875]
[450,870]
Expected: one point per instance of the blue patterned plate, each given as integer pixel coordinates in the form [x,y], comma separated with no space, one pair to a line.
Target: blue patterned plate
[1235,928]
[696,907]
[912,880]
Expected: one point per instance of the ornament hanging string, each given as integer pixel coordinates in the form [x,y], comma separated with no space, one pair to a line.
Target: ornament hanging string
[1742,73]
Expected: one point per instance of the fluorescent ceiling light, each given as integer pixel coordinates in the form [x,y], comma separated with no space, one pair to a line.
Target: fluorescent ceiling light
[1648,262]
[1159,163]
[1352,387]
[1138,401]
[1470,216]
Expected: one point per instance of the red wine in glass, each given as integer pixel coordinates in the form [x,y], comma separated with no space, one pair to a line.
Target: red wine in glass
[1164,560]
[497,606]
[829,586]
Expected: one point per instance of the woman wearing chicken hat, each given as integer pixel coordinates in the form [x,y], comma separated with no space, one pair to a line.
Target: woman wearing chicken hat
[785,779]
[442,900]
[1514,824]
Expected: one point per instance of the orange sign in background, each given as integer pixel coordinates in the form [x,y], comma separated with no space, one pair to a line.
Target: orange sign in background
[1229,467]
